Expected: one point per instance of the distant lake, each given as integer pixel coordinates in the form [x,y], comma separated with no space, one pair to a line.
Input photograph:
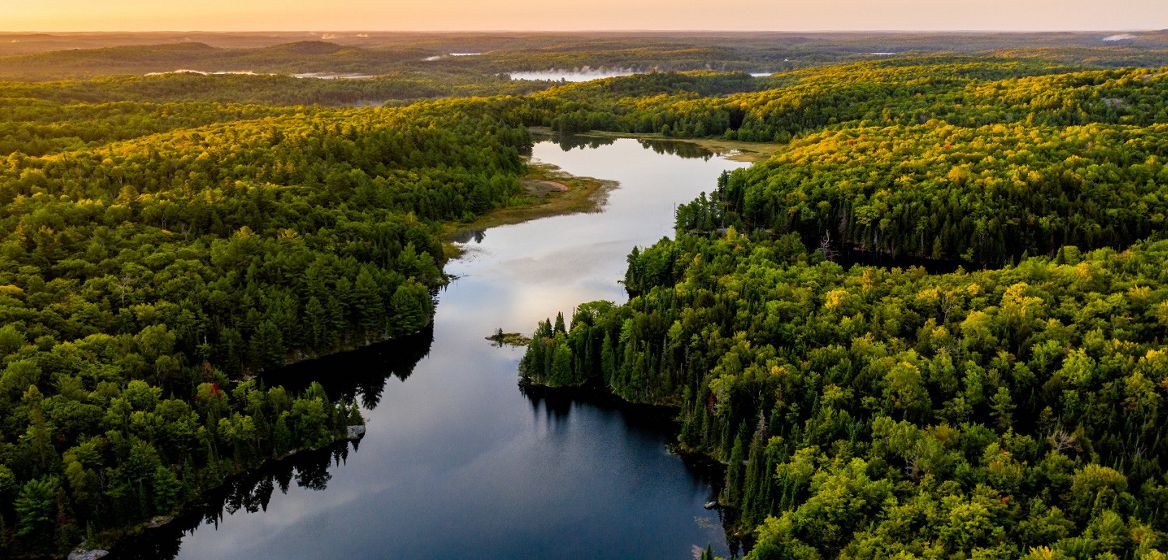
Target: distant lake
[576,75]
[459,462]
[442,56]
[303,75]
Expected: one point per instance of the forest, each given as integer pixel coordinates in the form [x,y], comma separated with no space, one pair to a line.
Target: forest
[1008,409]
[154,268]
[172,242]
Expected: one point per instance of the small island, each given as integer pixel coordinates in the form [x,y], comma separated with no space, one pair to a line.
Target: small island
[501,338]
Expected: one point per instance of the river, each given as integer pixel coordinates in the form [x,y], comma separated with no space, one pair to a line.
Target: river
[457,461]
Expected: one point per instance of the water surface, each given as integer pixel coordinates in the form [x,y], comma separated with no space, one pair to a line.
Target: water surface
[457,461]
[574,75]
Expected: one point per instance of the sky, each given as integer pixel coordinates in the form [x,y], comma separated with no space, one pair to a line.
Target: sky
[581,15]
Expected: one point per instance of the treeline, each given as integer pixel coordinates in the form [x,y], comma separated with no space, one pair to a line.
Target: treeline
[272,89]
[42,118]
[980,160]
[697,83]
[874,413]
[142,279]
[155,252]
[985,195]
[966,92]
[133,453]
[37,127]
[251,493]
[287,58]
[892,413]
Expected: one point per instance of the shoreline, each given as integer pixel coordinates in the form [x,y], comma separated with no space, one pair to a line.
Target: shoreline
[113,542]
[548,191]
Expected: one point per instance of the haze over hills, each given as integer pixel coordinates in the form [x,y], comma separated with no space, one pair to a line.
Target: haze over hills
[16,42]
[918,310]
[84,55]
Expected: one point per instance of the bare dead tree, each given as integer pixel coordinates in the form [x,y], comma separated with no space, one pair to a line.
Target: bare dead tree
[124,284]
[825,247]
[1061,440]
[912,469]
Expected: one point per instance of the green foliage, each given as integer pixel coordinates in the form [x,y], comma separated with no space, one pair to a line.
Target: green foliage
[904,92]
[162,237]
[965,401]
[869,412]
[985,194]
[36,509]
[143,278]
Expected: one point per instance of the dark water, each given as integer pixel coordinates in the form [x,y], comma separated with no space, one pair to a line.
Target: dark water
[458,462]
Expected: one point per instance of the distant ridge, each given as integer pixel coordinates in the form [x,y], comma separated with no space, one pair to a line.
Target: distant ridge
[43,57]
[310,48]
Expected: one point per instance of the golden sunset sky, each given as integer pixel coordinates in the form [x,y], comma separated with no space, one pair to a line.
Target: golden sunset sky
[568,15]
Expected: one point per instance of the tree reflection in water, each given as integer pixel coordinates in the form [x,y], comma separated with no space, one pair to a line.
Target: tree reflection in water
[359,375]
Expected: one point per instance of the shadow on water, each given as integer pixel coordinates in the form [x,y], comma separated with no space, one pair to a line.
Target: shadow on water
[568,142]
[679,148]
[465,236]
[360,375]
[250,492]
[557,405]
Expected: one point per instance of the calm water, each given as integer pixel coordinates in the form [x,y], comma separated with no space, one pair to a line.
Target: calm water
[457,461]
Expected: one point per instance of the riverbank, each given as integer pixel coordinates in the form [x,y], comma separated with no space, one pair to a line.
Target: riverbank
[141,539]
[547,191]
[454,418]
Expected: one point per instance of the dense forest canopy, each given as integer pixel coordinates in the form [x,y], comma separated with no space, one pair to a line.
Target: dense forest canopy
[868,412]
[270,89]
[166,238]
[142,279]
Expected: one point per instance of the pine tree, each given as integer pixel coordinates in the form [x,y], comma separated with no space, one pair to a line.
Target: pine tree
[732,493]
[560,328]
[36,510]
[607,360]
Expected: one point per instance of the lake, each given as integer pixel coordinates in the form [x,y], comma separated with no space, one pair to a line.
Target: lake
[458,462]
[574,75]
